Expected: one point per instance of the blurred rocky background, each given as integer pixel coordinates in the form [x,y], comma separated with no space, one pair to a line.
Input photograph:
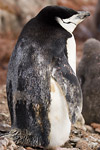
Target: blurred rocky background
[13,15]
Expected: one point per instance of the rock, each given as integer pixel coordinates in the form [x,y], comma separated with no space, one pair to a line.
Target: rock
[75,139]
[14,14]
[29,148]
[4,112]
[89,76]
[95,125]
[93,144]
[97,130]
[3,117]
[6,143]
[22,148]
[4,127]
[66,148]
[89,128]
[83,145]
[76,131]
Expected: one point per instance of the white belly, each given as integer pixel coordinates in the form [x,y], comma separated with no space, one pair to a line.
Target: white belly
[58,117]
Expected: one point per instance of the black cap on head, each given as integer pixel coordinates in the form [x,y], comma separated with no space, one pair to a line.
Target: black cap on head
[50,12]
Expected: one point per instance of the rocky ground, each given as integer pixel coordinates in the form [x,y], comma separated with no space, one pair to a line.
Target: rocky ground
[87,138]
[14,14]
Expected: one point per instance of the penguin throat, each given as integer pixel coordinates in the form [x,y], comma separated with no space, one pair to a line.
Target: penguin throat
[68,25]
[71,52]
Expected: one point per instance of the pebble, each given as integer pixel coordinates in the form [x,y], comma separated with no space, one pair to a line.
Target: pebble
[83,145]
[93,139]
[95,125]
[22,148]
[67,148]
[92,145]
[98,140]
[89,128]
[3,116]
[5,127]
[29,148]
[76,132]
[75,139]
[2,102]
[97,130]
[7,144]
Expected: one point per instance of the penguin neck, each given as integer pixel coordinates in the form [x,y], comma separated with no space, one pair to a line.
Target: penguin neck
[71,52]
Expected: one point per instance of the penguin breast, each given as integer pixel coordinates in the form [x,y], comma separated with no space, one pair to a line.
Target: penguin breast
[58,116]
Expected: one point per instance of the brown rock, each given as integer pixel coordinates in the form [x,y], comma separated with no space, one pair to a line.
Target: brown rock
[97,130]
[29,148]
[95,125]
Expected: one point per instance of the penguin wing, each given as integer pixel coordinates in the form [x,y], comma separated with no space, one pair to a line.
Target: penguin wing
[68,82]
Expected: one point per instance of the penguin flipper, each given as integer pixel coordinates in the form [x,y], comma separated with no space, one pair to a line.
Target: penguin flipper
[66,78]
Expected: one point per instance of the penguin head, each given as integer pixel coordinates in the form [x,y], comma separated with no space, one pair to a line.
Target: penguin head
[66,17]
[71,22]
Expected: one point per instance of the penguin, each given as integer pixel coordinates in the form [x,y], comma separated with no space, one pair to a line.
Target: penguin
[88,73]
[43,93]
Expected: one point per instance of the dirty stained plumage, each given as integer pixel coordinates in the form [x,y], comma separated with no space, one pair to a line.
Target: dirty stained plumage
[43,93]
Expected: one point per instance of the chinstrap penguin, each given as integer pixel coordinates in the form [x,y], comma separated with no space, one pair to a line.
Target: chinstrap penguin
[43,92]
[89,76]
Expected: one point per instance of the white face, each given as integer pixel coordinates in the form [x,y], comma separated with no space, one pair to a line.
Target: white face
[70,24]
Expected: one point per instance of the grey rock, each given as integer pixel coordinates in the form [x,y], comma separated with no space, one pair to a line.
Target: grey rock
[93,144]
[75,139]
[89,128]
[89,75]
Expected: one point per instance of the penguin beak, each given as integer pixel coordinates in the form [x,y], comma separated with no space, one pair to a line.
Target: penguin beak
[83,14]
